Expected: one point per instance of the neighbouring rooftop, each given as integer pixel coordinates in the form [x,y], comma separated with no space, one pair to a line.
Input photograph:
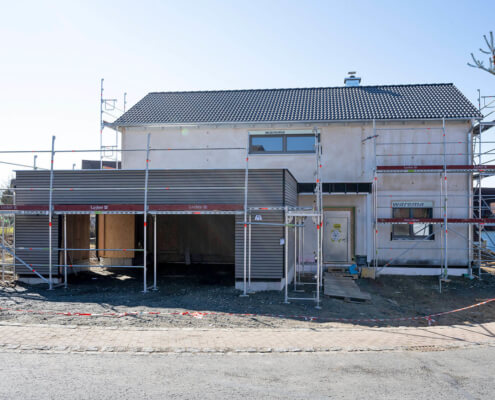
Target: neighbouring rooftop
[326,104]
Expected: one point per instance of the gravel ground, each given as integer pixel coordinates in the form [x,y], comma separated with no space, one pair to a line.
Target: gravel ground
[105,291]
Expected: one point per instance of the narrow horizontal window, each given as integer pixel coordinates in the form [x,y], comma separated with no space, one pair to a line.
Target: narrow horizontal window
[282,144]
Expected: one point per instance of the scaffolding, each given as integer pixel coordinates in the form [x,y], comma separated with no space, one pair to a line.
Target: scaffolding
[109,152]
[294,218]
[469,157]
[50,210]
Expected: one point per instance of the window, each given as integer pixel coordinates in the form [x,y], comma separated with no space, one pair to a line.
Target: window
[300,144]
[267,144]
[273,144]
[415,231]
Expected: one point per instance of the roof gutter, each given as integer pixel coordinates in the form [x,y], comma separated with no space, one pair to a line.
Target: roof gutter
[198,124]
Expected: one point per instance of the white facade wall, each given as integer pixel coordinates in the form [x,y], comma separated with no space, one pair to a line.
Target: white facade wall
[348,156]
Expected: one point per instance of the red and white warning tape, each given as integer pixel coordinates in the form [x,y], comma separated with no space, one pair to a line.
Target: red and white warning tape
[197,314]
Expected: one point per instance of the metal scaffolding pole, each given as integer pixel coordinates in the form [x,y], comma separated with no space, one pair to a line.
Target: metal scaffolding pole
[3,251]
[319,218]
[65,251]
[154,251]
[101,123]
[286,256]
[302,251]
[50,211]
[116,147]
[295,253]
[246,180]
[445,271]
[249,253]
[318,266]
[470,160]
[374,189]
[145,212]
[480,227]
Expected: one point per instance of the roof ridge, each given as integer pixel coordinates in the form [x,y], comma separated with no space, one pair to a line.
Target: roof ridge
[303,88]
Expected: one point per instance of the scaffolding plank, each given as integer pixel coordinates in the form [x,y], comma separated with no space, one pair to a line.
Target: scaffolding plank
[11,207]
[435,221]
[412,168]
[97,207]
[196,207]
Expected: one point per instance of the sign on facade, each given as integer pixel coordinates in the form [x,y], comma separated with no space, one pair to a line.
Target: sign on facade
[412,204]
[283,132]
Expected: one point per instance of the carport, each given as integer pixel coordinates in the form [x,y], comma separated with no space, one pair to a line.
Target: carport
[181,216]
[193,234]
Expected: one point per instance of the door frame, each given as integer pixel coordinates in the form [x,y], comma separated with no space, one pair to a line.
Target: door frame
[352,225]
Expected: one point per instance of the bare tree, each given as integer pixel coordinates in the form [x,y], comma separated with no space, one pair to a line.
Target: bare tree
[491,56]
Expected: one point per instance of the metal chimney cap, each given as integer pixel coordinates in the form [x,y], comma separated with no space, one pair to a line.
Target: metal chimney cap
[352,79]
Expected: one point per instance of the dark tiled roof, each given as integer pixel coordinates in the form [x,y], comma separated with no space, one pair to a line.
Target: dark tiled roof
[426,101]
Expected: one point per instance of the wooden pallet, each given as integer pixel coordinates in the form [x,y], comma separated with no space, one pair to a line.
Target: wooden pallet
[343,287]
[340,270]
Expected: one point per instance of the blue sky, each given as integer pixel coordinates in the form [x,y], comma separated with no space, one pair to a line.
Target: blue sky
[53,53]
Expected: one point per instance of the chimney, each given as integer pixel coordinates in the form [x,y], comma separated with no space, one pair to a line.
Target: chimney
[352,79]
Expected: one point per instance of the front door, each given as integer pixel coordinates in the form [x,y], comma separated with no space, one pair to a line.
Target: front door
[336,236]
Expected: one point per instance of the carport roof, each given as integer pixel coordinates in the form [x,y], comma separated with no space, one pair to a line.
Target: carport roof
[326,104]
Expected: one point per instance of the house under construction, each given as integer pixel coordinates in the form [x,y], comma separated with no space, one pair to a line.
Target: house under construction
[274,182]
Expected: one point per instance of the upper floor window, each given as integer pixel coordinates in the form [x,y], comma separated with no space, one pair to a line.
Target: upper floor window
[414,230]
[280,144]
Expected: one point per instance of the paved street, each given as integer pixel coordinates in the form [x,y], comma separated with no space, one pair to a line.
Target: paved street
[80,362]
[452,374]
[163,340]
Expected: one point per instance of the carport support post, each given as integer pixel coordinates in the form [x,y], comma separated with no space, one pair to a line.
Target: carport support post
[145,211]
[50,201]
[154,252]
[295,253]
[65,251]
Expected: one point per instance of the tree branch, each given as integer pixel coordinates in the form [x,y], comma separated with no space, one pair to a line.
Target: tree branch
[490,52]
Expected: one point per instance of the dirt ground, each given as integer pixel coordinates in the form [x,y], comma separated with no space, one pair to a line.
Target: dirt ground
[120,291]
